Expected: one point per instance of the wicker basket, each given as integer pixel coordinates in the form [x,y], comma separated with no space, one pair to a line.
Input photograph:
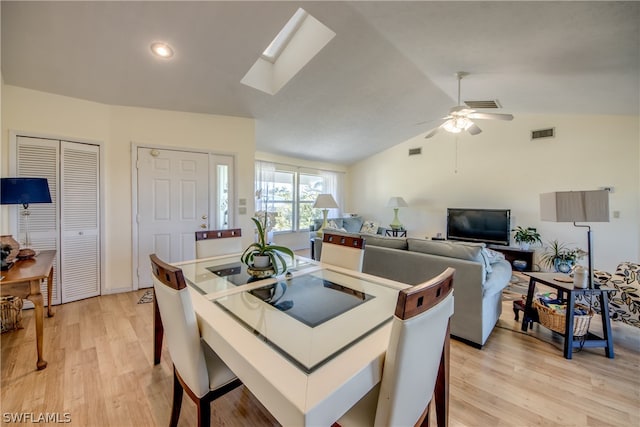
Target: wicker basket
[556,321]
[10,313]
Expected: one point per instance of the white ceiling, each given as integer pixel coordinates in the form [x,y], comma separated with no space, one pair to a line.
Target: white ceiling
[390,66]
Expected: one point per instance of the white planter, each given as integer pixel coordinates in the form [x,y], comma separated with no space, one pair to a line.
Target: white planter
[261,261]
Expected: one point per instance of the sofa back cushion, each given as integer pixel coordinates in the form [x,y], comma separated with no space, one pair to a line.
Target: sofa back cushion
[386,242]
[352,224]
[460,250]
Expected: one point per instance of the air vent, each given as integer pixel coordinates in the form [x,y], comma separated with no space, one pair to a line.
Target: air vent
[483,104]
[415,151]
[543,133]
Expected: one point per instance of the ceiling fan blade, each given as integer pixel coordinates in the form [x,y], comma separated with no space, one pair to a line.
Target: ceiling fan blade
[433,131]
[490,116]
[474,130]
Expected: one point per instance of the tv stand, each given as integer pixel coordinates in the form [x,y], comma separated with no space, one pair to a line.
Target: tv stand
[512,254]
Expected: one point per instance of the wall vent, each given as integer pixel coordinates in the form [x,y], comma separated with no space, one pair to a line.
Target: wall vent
[493,103]
[543,133]
[415,151]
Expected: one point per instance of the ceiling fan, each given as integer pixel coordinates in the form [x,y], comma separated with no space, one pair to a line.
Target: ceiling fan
[461,118]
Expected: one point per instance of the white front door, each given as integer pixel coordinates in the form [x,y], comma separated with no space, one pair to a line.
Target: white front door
[173,203]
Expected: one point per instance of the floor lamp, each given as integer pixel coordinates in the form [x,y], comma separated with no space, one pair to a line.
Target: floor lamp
[324,202]
[24,191]
[577,206]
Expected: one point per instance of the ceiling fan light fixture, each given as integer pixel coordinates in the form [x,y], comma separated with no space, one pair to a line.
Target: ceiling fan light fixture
[450,126]
[463,123]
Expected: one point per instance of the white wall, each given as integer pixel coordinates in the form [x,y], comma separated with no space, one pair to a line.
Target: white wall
[118,127]
[503,168]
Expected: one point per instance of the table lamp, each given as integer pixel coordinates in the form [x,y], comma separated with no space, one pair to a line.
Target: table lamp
[577,206]
[396,203]
[324,202]
[24,191]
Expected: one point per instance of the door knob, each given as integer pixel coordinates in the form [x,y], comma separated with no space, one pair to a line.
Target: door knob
[204,217]
[203,226]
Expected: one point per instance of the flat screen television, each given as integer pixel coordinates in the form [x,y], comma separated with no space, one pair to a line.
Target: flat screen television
[479,225]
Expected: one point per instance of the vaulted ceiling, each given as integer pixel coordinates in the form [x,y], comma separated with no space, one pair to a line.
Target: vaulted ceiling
[390,66]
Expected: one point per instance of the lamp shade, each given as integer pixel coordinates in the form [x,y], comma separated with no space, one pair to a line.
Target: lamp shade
[24,191]
[325,201]
[575,206]
[396,202]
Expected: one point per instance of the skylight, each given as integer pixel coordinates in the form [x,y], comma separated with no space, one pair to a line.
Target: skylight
[275,48]
[302,38]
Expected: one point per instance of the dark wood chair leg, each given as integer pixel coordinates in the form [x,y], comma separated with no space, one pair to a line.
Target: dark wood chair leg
[204,412]
[176,405]
[158,331]
[441,392]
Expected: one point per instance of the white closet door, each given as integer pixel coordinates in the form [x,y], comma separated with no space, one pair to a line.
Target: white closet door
[80,221]
[39,158]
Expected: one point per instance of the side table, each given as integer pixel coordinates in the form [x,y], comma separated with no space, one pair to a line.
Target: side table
[390,232]
[591,340]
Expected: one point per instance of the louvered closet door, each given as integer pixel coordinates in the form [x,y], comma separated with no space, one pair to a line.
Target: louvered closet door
[39,158]
[80,222]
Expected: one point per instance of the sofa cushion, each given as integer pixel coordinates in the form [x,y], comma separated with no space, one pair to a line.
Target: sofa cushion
[352,224]
[386,242]
[333,224]
[337,231]
[460,250]
[369,227]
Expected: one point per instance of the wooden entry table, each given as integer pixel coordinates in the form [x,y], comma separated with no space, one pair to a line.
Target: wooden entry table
[23,281]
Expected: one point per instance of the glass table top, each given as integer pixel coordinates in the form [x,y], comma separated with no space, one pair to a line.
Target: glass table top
[224,273]
[313,316]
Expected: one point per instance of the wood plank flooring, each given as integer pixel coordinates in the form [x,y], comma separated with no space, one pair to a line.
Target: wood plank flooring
[101,373]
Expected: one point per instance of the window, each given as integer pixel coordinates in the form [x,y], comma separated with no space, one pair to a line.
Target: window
[290,192]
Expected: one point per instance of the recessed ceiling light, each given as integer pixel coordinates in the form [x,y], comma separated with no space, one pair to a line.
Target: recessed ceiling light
[162,50]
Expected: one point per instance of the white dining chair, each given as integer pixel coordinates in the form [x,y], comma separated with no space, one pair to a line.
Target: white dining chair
[196,367]
[210,243]
[342,251]
[418,349]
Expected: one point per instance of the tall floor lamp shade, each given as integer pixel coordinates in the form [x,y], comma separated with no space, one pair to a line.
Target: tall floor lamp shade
[24,191]
[324,202]
[577,206]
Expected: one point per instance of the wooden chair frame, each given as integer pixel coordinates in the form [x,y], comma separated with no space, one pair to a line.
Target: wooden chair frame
[172,277]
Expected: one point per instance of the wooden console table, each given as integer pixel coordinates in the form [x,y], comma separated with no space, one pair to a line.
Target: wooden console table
[590,340]
[23,281]
[512,254]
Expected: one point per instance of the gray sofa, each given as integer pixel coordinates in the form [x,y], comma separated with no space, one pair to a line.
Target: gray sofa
[481,275]
[351,225]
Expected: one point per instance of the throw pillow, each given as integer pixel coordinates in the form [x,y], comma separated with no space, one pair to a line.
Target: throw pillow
[369,227]
[332,224]
[489,256]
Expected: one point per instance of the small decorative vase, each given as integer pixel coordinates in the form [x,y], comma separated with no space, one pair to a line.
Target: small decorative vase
[519,264]
[580,277]
[562,266]
[8,240]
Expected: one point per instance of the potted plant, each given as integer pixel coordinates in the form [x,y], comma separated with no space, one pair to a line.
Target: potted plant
[264,256]
[560,257]
[526,237]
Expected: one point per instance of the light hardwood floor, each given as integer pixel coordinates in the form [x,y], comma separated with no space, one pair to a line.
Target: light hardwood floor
[101,373]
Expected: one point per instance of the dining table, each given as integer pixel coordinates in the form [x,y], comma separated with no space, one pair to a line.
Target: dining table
[308,344]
